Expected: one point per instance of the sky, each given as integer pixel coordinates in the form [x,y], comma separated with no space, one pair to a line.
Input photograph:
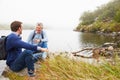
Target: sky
[52,13]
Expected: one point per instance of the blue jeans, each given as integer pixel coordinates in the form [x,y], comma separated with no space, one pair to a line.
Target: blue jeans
[26,59]
[43,44]
[40,55]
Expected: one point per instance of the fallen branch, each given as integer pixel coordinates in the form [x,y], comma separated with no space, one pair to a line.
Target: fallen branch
[83,56]
[82,50]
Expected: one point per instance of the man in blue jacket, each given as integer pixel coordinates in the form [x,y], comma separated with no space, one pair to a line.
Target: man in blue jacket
[16,59]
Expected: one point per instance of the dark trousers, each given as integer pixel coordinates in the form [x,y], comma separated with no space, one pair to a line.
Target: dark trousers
[26,59]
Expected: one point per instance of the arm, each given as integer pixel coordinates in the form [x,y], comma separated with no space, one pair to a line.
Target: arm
[21,44]
[29,40]
[45,38]
[14,41]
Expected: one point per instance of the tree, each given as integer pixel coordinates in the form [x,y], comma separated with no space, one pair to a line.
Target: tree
[117,16]
[87,18]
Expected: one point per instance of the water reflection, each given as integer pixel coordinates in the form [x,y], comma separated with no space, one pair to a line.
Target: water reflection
[90,39]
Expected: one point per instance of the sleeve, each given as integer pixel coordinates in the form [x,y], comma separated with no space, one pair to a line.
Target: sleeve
[29,40]
[45,38]
[21,44]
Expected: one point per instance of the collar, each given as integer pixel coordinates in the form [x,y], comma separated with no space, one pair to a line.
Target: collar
[16,33]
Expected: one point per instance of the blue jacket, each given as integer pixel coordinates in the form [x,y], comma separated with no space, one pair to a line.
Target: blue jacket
[14,46]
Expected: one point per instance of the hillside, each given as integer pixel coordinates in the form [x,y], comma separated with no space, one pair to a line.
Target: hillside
[105,18]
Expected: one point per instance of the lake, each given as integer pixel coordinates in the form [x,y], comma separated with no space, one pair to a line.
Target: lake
[68,40]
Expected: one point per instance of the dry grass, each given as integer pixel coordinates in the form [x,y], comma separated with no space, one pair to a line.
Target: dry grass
[61,68]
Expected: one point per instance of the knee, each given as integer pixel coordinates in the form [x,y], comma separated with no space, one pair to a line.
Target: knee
[27,52]
[44,55]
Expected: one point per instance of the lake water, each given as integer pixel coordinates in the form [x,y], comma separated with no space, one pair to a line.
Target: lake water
[67,40]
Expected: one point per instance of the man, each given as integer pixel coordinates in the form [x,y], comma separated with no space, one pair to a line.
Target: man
[16,59]
[39,37]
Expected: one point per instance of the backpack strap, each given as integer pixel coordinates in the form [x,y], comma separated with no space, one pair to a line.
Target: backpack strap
[35,34]
[42,35]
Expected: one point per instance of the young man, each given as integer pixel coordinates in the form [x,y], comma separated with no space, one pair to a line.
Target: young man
[39,37]
[16,59]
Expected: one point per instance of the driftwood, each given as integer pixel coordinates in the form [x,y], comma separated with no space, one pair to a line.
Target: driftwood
[96,52]
[82,50]
[78,55]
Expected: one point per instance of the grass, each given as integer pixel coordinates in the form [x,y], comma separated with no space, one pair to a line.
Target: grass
[61,68]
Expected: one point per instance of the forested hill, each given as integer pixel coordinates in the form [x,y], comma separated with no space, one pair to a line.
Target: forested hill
[105,18]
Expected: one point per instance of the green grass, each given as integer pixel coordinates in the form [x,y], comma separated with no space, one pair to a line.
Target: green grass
[61,68]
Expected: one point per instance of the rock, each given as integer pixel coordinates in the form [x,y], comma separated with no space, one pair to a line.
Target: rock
[2,66]
[109,44]
[3,78]
[110,48]
[23,72]
[8,70]
[96,53]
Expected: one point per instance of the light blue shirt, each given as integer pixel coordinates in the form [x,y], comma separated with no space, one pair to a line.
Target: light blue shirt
[37,36]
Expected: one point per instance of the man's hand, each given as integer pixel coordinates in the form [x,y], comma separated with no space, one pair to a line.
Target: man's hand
[36,40]
[44,49]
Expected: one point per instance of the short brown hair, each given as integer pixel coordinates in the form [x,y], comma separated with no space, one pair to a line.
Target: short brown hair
[15,25]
